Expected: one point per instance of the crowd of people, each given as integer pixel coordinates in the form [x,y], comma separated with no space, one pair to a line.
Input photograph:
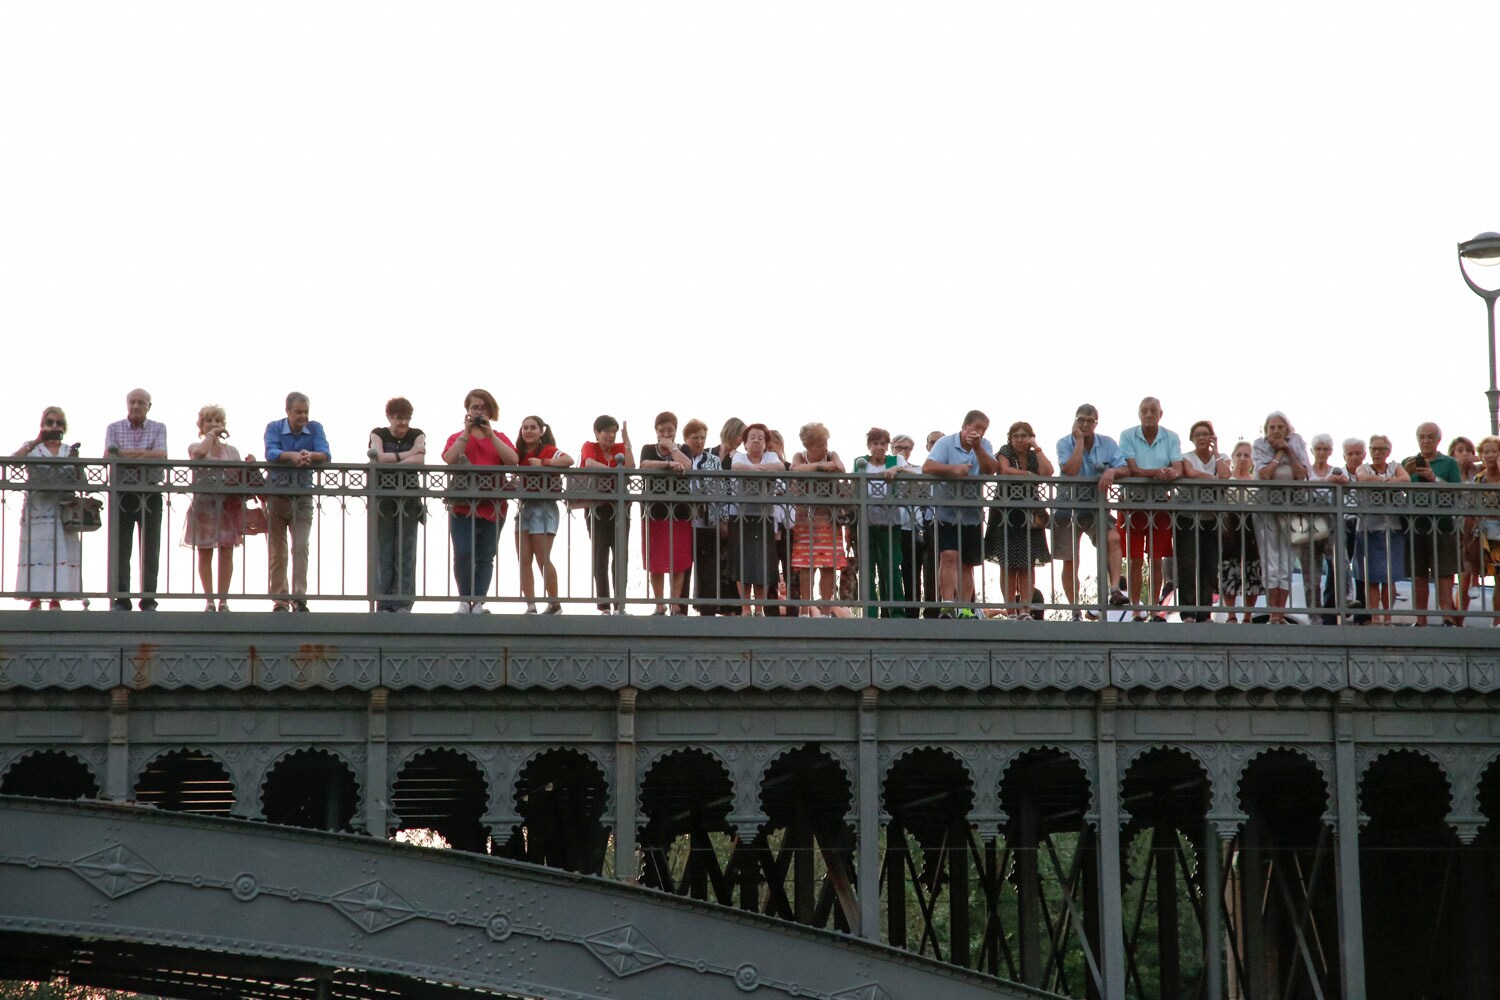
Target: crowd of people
[762,543]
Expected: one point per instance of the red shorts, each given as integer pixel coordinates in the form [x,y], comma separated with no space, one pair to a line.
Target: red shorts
[1146,534]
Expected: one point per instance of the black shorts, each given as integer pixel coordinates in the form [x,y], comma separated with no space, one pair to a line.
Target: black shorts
[968,543]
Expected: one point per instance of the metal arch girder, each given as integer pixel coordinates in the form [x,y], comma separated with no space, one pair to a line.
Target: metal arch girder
[126,873]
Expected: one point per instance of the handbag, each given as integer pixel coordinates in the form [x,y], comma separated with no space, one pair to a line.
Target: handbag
[255,522]
[80,513]
[1309,528]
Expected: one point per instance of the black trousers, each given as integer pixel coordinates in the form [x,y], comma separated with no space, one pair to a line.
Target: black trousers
[606,554]
[129,512]
[1195,548]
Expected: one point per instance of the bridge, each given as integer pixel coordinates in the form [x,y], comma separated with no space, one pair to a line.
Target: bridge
[884,807]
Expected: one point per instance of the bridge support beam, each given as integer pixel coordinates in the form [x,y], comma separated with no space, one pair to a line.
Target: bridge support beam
[1351,917]
[117,767]
[626,869]
[377,778]
[867,874]
[1111,891]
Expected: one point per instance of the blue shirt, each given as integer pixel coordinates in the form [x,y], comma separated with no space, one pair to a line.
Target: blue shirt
[1158,454]
[951,451]
[1105,454]
[279,438]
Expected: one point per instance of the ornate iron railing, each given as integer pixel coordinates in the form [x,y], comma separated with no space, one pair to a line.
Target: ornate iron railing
[1350,546]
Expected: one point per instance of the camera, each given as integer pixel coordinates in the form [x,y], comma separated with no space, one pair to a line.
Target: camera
[481,422]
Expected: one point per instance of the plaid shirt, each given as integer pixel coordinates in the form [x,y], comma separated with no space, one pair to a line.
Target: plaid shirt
[150,436]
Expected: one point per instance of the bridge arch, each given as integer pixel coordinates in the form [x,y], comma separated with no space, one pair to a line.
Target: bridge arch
[190,779]
[445,789]
[224,895]
[49,774]
[561,795]
[313,787]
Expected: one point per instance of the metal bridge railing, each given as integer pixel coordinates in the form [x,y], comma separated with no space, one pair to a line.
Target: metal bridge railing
[739,542]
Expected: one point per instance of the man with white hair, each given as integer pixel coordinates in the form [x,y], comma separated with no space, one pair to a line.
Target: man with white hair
[1433,541]
[135,508]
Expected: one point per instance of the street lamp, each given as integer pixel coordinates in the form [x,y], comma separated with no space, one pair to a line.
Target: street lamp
[1484,251]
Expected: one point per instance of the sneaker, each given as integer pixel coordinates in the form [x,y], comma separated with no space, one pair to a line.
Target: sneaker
[280,607]
[478,608]
[301,606]
[1117,598]
[1091,616]
[966,613]
[553,609]
[463,608]
[530,608]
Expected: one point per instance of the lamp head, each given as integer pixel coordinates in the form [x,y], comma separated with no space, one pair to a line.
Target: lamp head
[1483,250]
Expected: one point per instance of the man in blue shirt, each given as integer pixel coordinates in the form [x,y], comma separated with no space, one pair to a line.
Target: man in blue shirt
[1089,455]
[1151,452]
[293,443]
[960,530]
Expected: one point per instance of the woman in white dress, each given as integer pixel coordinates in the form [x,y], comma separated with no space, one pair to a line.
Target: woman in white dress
[50,555]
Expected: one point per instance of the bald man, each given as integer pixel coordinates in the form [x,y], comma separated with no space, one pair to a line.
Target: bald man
[135,508]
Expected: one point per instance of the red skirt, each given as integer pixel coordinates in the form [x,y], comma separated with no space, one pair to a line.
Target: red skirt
[667,546]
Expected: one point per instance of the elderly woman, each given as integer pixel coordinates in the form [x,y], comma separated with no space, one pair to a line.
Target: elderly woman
[215,521]
[1280,455]
[913,551]
[50,555]
[752,532]
[667,542]
[1195,535]
[1239,565]
[1316,555]
[1015,537]
[1379,552]
[817,545]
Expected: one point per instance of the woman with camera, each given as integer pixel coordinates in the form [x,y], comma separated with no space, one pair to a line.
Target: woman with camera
[474,523]
[51,555]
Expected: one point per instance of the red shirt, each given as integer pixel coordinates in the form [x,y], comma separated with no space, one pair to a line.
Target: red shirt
[540,482]
[592,450]
[481,451]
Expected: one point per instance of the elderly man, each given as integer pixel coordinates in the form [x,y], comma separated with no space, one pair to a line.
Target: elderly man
[297,443]
[1151,452]
[960,530]
[1087,454]
[1434,542]
[136,509]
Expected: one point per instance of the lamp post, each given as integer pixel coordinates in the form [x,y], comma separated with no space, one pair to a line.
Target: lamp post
[1484,251]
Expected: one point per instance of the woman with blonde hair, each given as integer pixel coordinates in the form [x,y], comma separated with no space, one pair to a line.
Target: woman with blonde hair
[1279,455]
[817,546]
[215,521]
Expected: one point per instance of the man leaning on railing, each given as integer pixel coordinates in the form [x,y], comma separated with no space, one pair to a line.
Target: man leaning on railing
[299,443]
[133,506]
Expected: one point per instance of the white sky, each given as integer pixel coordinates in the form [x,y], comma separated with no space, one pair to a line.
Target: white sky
[853,212]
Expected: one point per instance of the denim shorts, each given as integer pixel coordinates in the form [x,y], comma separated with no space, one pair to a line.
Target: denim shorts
[538,517]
